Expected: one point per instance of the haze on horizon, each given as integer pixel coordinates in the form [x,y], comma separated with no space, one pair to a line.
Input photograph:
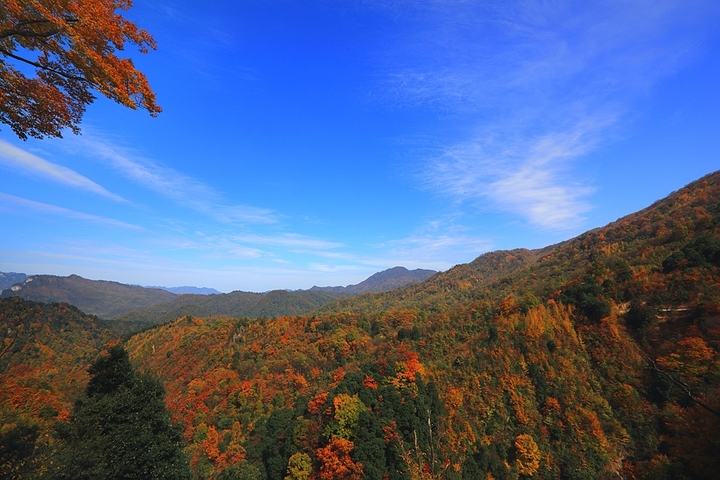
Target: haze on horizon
[316,144]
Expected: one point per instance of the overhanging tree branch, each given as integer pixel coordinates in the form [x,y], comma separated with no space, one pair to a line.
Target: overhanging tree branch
[74,48]
[682,385]
[30,33]
[44,67]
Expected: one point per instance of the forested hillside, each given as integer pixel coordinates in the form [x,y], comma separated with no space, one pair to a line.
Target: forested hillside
[594,358]
[96,297]
[235,304]
[274,303]
[8,279]
[44,356]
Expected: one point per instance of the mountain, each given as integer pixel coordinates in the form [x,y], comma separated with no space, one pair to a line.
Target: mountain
[8,279]
[389,279]
[235,304]
[189,290]
[151,305]
[597,357]
[485,276]
[95,297]
[274,303]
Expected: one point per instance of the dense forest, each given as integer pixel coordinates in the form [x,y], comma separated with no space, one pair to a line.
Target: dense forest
[593,358]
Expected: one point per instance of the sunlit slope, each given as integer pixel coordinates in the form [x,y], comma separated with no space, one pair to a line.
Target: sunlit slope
[638,242]
[231,381]
[593,358]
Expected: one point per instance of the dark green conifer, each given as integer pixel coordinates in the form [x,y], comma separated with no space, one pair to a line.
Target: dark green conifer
[121,429]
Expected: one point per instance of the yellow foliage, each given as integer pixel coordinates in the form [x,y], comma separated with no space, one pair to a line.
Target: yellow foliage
[528,455]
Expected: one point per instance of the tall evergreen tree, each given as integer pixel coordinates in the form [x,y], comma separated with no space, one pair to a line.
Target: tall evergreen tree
[121,428]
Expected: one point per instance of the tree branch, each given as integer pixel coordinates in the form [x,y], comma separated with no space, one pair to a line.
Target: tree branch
[16,30]
[683,386]
[43,67]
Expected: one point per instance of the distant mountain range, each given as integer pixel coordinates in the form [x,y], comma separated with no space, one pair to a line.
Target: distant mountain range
[192,290]
[153,305]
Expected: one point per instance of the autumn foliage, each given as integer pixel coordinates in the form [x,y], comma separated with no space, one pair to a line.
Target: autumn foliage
[73,48]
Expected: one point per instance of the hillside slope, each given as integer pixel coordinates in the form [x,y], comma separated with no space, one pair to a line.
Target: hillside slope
[8,279]
[235,304]
[635,244]
[144,306]
[95,297]
[45,351]
[593,358]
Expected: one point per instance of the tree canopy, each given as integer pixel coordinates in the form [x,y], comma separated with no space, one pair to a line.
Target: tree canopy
[71,46]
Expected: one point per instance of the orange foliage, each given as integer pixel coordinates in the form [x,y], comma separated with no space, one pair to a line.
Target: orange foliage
[528,455]
[210,445]
[369,382]
[335,461]
[408,366]
[390,433]
[338,376]
[75,44]
[315,405]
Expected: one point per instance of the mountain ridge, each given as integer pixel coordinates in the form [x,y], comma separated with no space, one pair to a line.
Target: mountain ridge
[151,305]
[382,281]
[185,289]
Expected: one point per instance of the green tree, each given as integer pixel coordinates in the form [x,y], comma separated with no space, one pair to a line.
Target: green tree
[121,428]
[17,449]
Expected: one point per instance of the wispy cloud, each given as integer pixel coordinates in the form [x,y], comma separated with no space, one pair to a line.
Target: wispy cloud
[531,177]
[15,204]
[542,84]
[170,183]
[434,250]
[27,162]
[290,240]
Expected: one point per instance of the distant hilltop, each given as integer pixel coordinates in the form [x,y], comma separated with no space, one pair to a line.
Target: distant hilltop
[384,281]
[94,297]
[8,279]
[188,290]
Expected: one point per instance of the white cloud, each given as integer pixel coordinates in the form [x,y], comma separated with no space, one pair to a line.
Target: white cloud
[170,183]
[290,240]
[27,162]
[13,203]
[542,84]
[438,245]
[529,177]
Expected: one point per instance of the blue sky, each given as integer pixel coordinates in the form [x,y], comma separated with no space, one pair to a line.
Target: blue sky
[316,143]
